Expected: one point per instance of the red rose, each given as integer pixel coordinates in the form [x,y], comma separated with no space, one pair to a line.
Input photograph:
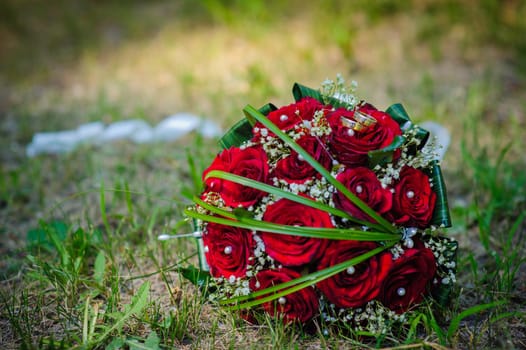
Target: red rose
[227,250]
[287,117]
[365,185]
[352,147]
[292,250]
[299,306]
[250,163]
[294,169]
[408,278]
[360,283]
[414,199]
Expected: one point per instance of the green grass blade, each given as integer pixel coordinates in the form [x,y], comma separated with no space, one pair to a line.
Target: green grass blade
[455,322]
[230,219]
[299,283]
[138,303]
[288,195]
[99,268]
[254,113]
[85,322]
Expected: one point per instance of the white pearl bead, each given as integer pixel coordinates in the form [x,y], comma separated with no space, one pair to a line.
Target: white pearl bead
[410,194]
[350,270]
[283,118]
[282,300]
[359,189]
[350,132]
[206,249]
[300,158]
[228,249]
[409,243]
[400,291]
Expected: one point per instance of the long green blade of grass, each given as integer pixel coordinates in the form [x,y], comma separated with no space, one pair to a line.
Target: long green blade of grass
[288,195]
[230,219]
[455,322]
[300,283]
[138,303]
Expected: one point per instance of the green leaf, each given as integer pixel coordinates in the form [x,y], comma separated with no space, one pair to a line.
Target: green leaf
[99,268]
[237,135]
[151,343]
[384,155]
[300,91]
[297,284]
[242,130]
[39,237]
[399,114]
[441,215]
[198,277]
[115,344]
[387,226]
[278,192]
[265,110]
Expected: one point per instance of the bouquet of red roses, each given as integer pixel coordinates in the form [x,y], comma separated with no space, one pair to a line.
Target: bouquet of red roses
[327,209]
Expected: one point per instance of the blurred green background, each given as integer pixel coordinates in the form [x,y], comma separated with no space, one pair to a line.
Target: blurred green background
[68,59]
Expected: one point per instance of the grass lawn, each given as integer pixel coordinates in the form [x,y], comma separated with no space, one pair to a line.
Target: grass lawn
[81,263]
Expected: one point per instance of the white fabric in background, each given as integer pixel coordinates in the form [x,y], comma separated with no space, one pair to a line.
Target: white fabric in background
[439,139]
[135,130]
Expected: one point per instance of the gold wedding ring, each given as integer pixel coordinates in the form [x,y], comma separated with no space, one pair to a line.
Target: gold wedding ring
[364,119]
[352,124]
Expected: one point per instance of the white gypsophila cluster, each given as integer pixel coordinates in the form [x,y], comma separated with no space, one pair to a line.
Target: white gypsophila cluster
[397,251]
[373,317]
[421,159]
[229,287]
[319,126]
[340,90]
[444,256]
